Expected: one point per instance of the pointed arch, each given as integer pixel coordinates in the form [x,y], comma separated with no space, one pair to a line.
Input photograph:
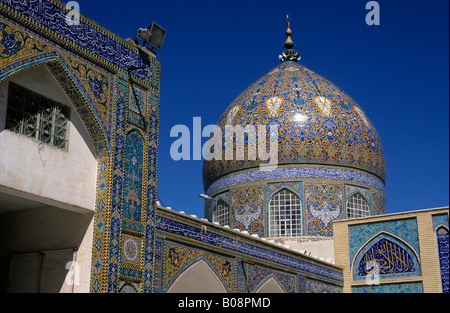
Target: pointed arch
[198,276]
[273,192]
[270,284]
[285,214]
[392,256]
[74,90]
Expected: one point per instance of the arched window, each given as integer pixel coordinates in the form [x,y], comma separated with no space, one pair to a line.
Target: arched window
[357,206]
[222,213]
[285,214]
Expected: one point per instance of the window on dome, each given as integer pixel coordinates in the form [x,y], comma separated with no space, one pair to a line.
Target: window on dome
[357,206]
[285,214]
[222,213]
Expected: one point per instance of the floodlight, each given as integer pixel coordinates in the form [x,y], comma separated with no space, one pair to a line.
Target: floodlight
[153,35]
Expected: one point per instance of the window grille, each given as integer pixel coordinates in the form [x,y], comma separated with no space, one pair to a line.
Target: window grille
[35,116]
[357,206]
[222,213]
[285,214]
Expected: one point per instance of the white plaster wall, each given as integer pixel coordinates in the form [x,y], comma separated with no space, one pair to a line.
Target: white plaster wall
[63,178]
[321,247]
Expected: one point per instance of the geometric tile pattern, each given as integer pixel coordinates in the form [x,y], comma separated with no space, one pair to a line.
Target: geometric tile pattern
[241,265]
[321,203]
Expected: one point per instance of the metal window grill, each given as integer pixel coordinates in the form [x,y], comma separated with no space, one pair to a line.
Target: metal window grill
[357,206]
[222,213]
[35,116]
[285,215]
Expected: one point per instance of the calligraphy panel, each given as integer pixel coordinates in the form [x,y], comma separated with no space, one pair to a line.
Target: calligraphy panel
[386,257]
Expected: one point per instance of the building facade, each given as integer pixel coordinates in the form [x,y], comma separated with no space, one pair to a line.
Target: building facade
[320,159]
[402,252]
[79,114]
[79,136]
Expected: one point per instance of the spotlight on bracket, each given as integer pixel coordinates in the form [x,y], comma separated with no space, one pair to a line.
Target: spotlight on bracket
[153,35]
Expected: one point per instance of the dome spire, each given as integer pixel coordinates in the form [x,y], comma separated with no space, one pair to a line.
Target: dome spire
[289,54]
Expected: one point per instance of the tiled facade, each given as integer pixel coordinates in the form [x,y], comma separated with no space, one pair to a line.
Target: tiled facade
[139,247]
[242,262]
[326,146]
[90,64]
[402,252]
[120,109]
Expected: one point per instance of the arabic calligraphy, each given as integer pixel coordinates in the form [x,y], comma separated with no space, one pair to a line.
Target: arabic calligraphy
[390,257]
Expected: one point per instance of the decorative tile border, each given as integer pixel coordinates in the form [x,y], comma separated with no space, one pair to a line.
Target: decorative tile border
[296,172]
[223,241]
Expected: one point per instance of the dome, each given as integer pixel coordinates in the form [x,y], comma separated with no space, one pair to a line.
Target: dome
[325,157]
[318,123]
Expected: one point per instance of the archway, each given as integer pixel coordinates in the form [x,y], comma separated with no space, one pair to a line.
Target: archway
[47,193]
[197,278]
[385,256]
[270,285]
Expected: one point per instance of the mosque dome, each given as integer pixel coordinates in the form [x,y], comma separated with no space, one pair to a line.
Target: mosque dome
[318,123]
[329,158]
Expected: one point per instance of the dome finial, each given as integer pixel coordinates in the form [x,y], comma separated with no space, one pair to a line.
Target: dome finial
[288,44]
[289,54]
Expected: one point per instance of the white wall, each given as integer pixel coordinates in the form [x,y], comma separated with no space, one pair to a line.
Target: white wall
[56,176]
[319,247]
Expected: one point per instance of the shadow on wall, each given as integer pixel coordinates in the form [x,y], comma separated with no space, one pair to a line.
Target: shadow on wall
[39,247]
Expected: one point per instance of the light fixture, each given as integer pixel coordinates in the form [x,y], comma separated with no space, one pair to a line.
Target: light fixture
[153,35]
[206,197]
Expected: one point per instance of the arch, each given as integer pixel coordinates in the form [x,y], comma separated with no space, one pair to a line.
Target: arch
[197,277]
[127,288]
[97,131]
[394,258]
[270,284]
[285,216]
[72,87]
[272,193]
[359,207]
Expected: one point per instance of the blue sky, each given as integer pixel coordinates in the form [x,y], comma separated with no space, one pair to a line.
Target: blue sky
[398,72]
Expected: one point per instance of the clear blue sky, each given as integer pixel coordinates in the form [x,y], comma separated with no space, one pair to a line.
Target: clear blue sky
[397,72]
